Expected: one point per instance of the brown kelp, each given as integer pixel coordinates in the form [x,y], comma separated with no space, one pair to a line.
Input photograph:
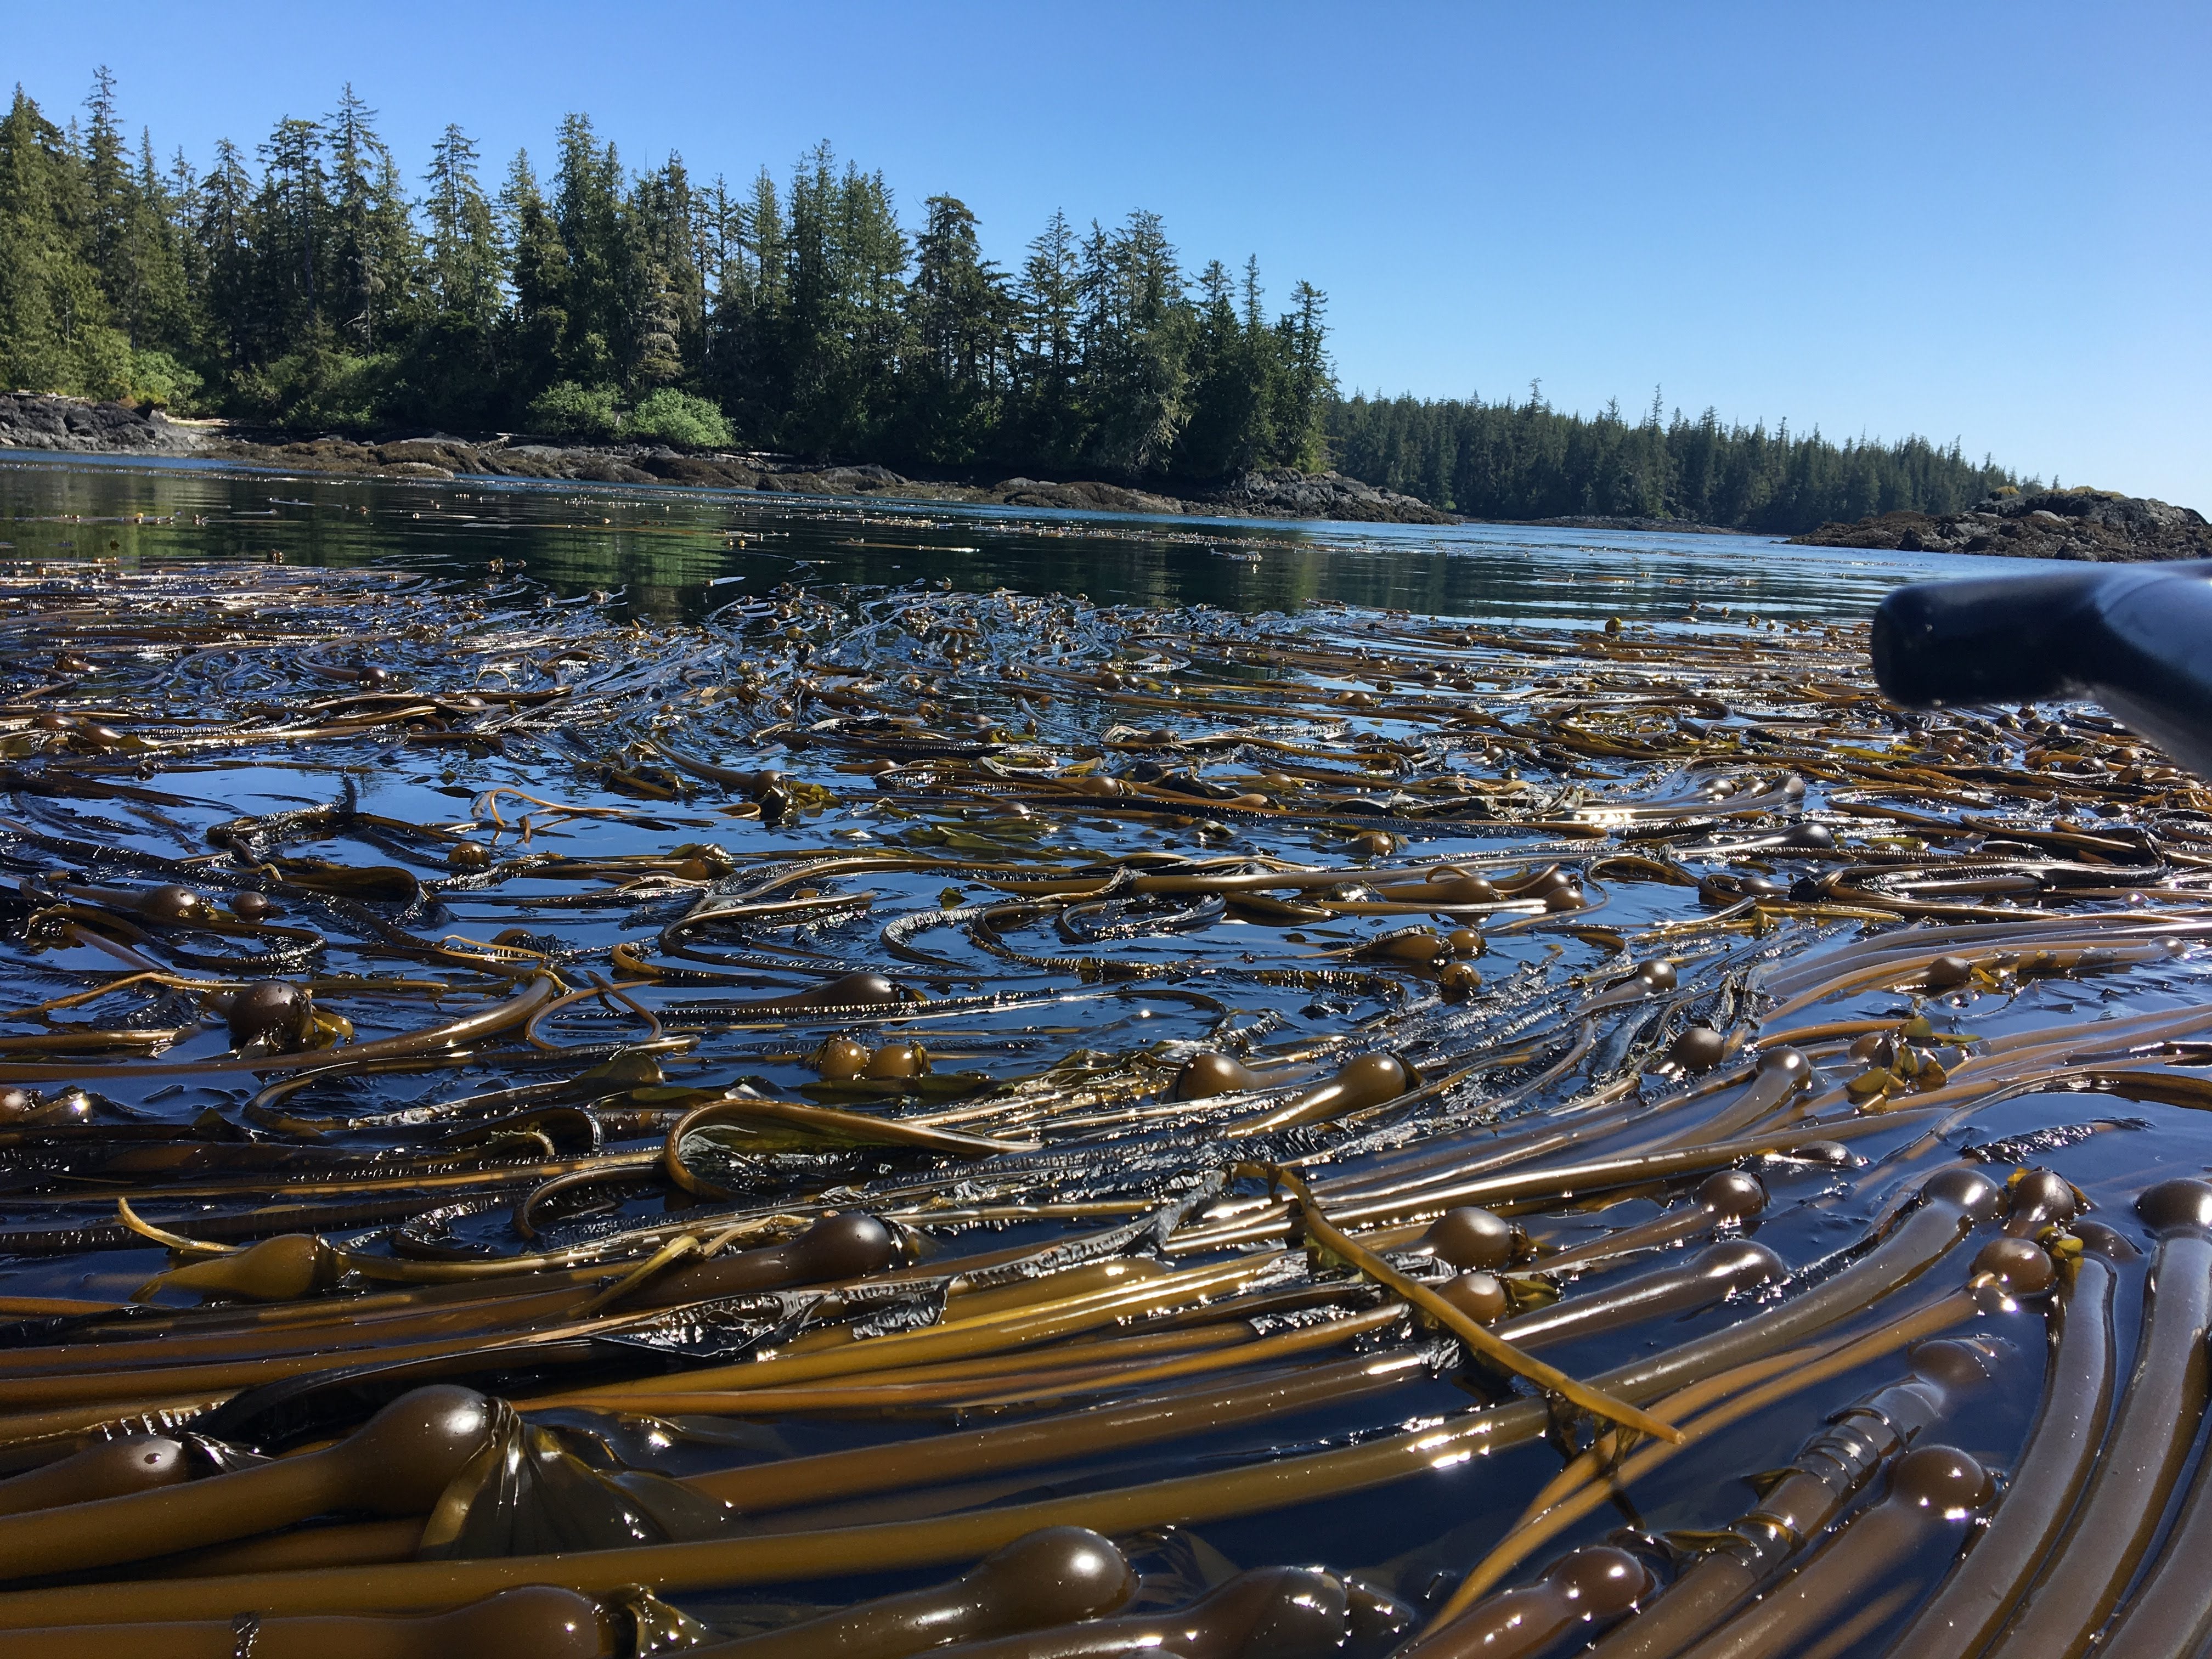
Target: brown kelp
[892,1119]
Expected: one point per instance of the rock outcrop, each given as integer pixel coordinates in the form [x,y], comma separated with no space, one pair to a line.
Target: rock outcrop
[38,420]
[2094,524]
[1286,493]
[1085,497]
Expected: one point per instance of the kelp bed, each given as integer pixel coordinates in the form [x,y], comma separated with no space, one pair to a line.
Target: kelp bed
[898,1120]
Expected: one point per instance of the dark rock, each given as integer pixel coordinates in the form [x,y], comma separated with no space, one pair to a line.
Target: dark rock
[596,467]
[1285,492]
[310,455]
[2094,526]
[832,480]
[1086,497]
[38,420]
[711,472]
[449,455]
[522,461]
[841,479]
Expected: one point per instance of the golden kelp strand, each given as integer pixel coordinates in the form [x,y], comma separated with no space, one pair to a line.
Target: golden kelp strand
[1344,872]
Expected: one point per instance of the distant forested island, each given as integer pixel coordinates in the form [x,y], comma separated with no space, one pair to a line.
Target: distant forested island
[1526,460]
[312,286]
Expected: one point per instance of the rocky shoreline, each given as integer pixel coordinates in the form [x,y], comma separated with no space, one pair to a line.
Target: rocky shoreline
[2092,524]
[40,421]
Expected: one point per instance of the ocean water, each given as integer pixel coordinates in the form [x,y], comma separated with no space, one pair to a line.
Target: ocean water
[671,555]
[673,552]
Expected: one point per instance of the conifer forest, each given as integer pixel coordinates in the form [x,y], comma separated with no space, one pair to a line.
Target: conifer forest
[313,283]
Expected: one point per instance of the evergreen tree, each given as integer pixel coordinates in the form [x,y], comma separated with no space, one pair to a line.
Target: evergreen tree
[453,366]
[961,311]
[1530,461]
[289,229]
[312,291]
[1048,417]
[655,357]
[109,197]
[231,279]
[54,330]
[464,270]
[666,297]
[156,295]
[747,367]
[132,237]
[1308,381]
[537,324]
[372,250]
[843,322]
[587,210]
[1237,366]
[1133,333]
[873,257]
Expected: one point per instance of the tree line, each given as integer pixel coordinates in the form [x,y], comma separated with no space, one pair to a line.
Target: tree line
[313,284]
[1526,460]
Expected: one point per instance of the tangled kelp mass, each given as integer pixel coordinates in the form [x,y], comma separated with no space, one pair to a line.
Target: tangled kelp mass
[893,1119]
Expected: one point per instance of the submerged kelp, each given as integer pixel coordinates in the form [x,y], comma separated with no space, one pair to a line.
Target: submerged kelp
[1350,1133]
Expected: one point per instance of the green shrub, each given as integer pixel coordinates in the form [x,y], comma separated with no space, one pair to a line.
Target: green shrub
[317,386]
[159,381]
[677,417]
[570,410]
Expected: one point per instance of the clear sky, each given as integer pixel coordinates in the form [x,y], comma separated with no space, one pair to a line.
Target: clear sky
[1990,221]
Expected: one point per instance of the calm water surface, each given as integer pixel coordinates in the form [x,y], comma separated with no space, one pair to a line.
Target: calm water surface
[675,552]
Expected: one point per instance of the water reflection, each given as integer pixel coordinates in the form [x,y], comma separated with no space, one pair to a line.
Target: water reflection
[677,552]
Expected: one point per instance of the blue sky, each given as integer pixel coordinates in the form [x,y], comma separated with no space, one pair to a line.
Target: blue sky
[1980,220]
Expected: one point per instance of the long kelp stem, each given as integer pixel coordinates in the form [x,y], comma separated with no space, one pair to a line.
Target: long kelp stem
[1975,1600]
[2148,1444]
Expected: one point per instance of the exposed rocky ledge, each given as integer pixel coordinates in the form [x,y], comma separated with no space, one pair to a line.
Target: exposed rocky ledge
[1082,497]
[1286,493]
[38,421]
[35,420]
[2094,524]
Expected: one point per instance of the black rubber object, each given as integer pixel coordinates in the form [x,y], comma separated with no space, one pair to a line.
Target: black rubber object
[2137,638]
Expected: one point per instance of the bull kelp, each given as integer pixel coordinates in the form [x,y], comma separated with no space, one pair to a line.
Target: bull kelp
[883,1118]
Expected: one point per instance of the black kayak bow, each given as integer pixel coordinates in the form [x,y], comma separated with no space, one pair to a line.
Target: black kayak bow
[2137,638]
